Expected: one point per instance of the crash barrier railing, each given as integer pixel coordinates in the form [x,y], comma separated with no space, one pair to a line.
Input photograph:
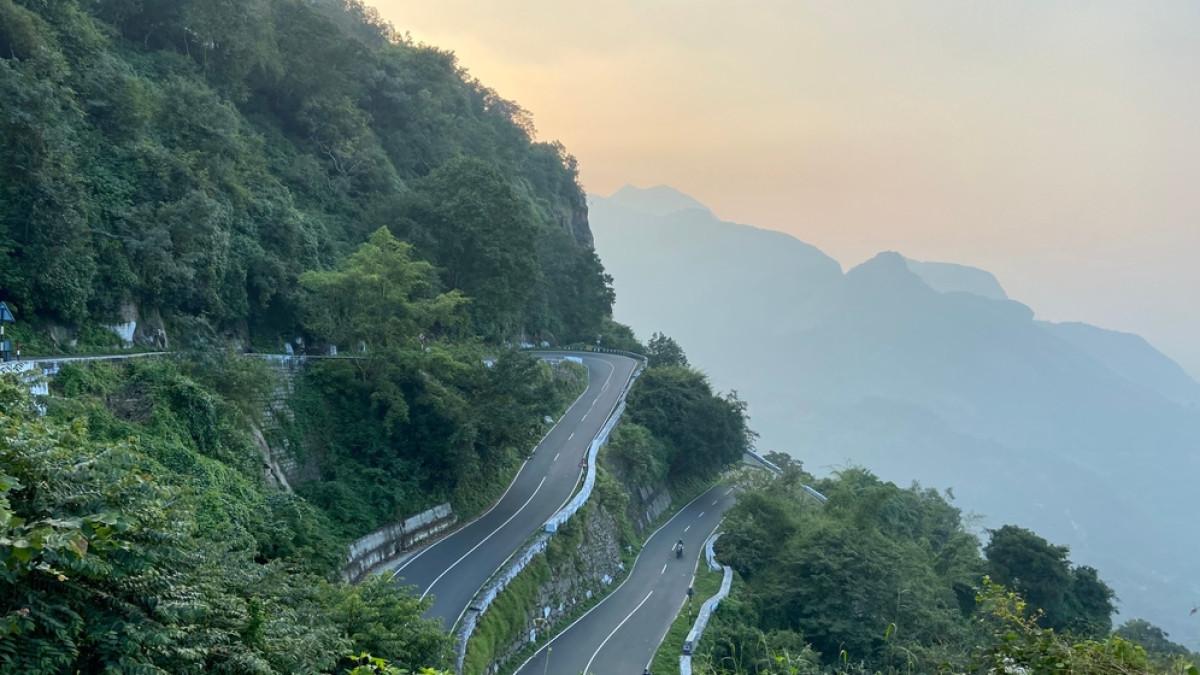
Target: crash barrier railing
[579,347]
[774,468]
[538,543]
[488,593]
[707,609]
[589,481]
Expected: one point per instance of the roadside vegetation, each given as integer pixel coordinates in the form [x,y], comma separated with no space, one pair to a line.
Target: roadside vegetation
[883,579]
[138,536]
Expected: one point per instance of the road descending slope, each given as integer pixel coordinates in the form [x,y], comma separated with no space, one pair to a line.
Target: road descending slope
[620,635]
[452,570]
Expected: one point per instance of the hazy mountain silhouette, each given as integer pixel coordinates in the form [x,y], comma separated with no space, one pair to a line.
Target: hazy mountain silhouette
[928,371]
[949,277]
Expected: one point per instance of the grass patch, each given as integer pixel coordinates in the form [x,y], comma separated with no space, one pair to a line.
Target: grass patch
[505,618]
[666,659]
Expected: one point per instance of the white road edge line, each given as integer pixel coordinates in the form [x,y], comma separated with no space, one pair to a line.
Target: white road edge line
[629,576]
[611,369]
[588,667]
[484,540]
[691,583]
[481,516]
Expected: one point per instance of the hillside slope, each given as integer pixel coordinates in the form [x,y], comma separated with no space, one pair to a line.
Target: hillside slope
[182,163]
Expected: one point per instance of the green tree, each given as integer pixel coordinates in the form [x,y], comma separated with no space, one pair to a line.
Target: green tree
[701,431]
[1018,641]
[1073,599]
[664,351]
[482,235]
[1163,653]
[379,296]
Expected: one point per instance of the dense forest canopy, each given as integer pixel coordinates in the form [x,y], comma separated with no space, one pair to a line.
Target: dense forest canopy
[192,158]
[245,173]
[883,579]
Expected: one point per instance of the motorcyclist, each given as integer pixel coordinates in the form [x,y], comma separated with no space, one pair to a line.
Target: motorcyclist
[679,549]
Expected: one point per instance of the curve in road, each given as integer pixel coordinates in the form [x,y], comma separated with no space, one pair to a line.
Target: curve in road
[453,568]
[620,635]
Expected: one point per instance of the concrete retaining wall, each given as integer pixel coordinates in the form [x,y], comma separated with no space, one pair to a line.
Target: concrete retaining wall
[390,541]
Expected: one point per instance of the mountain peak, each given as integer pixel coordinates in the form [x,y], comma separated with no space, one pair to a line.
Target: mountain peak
[657,200]
[953,278]
[888,263]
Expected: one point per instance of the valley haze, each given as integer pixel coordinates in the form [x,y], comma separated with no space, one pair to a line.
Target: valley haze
[928,371]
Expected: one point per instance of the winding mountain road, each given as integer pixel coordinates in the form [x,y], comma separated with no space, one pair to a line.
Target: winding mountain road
[452,569]
[620,635]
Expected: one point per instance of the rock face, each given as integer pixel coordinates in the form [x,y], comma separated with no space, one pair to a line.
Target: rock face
[572,580]
[577,225]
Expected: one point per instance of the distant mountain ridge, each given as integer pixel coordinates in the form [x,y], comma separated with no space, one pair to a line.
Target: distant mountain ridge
[952,278]
[928,371]
[659,200]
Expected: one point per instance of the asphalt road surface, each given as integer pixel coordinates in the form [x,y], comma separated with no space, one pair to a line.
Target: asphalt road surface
[452,569]
[620,635]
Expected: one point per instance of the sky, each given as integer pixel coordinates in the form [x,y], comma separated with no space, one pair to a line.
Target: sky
[1055,144]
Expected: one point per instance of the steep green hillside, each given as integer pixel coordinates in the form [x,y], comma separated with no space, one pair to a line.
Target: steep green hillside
[247,173]
[188,160]
[136,535]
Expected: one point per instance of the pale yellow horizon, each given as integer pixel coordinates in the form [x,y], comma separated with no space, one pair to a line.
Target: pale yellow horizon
[1055,144]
